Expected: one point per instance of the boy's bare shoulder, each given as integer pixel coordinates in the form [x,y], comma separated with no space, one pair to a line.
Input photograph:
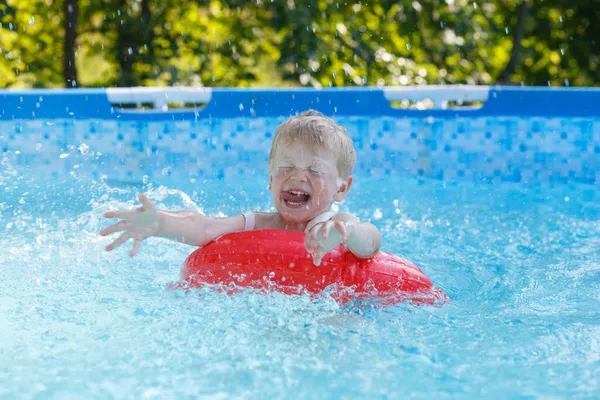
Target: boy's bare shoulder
[267,220]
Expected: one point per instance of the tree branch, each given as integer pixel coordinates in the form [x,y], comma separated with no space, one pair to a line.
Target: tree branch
[69,67]
[515,54]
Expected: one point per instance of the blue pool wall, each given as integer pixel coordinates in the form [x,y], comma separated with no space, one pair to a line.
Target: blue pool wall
[527,135]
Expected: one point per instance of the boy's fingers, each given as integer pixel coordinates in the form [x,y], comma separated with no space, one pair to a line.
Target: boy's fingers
[309,242]
[136,247]
[316,260]
[315,231]
[120,213]
[326,228]
[318,256]
[118,227]
[311,245]
[122,239]
[148,205]
[341,226]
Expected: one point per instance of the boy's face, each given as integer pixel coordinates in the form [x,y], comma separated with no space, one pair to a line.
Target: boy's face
[304,183]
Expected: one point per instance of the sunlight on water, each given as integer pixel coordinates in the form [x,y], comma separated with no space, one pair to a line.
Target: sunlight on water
[521,265]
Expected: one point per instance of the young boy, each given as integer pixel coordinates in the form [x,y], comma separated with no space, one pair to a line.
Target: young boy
[310,167]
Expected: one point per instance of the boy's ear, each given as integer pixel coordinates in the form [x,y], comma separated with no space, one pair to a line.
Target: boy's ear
[343,190]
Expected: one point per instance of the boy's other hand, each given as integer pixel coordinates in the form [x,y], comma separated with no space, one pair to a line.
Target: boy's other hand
[324,237]
[137,224]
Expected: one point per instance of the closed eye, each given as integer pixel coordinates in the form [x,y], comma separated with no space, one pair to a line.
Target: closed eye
[312,171]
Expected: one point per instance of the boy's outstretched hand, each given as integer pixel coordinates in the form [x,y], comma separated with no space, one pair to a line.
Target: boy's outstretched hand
[361,238]
[137,224]
[324,237]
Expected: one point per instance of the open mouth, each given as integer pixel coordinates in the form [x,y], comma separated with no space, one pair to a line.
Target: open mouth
[295,198]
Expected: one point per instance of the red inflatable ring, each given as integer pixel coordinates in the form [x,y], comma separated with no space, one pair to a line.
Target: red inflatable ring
[277,260]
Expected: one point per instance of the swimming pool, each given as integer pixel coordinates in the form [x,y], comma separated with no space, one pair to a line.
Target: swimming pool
[514,242]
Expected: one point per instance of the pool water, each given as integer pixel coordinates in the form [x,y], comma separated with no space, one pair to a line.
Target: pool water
[521,265]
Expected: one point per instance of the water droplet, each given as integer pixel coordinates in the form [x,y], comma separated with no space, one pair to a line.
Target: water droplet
[31,21]
[64,155]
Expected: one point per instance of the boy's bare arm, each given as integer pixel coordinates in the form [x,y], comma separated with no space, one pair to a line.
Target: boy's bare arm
[195,229]
[184,226]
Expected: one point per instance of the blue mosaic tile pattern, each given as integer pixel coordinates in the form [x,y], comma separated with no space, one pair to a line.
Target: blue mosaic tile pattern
[529,150]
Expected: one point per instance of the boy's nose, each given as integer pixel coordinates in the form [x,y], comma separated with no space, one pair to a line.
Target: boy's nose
[299,175]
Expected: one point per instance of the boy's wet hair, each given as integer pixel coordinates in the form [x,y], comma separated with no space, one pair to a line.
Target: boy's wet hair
[318,131]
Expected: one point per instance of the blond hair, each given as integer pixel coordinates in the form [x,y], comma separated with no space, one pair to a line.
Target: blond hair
[313,128]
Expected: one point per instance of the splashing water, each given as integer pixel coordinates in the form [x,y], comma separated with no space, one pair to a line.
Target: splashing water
[521,266]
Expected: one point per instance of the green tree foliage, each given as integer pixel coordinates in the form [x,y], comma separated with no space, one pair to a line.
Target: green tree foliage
[316,43]
[30,43]
[563,44]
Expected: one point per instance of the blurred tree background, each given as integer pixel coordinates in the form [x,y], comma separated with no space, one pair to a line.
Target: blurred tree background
[318,43]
